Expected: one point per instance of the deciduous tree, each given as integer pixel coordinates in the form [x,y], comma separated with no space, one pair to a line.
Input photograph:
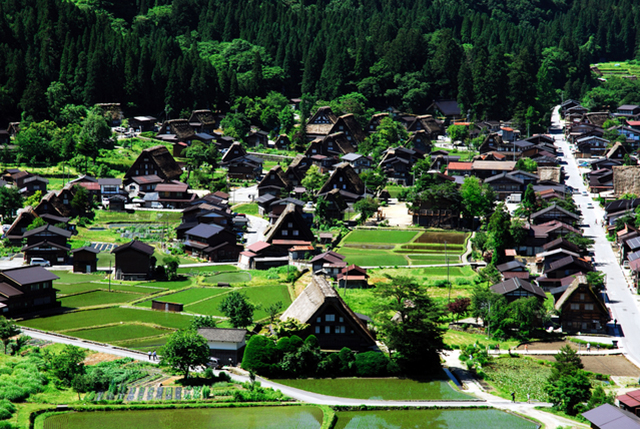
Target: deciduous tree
[238,309]
[8,329]
[185,349]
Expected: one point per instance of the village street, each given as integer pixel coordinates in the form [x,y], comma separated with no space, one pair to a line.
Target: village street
[621,300]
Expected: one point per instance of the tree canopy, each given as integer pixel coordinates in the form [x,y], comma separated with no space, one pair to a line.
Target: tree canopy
[185,349]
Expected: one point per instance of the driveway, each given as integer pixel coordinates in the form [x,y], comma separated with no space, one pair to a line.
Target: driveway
[243,195]
[620,298]
[397,214]
[255,230]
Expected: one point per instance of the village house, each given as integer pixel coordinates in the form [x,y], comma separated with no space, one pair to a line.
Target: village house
[213,242]
[630,402]
[328,263]
[239,165]
[143,124]
[494,142]
[329,318]
[262,256]
[134,261]
[554,212]
[176,130]
[282,142]
[561,268]
[19,226]
[336,205]
[505,185]
[26,290]
[203,121]
[140,185]
[291,229]
[486,169]
[590,146]
[516,288]
[85,259]
[47,242]
[173,194]
[375,121]
[616,152]
[275,182]
[298,169]
[397,164]
[446,108]
[225,344]
[607,416]
[346,180]
[257,138]
[429,124]
[353,276]
[581,309]
[420,142]
[332,145]
[320,123]
[514,269]
[155,160]
[360,163]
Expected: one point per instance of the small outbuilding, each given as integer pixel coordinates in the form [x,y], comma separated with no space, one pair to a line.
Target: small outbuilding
[133,261]
[85,259]
[225,344]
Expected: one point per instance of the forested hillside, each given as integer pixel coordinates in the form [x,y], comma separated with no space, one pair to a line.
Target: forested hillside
[498,58]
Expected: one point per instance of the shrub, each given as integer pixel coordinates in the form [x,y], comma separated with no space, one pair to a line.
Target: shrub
[206,391]
[371,364]
[259,355]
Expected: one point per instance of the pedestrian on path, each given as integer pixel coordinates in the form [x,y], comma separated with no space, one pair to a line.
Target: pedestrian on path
[528,398]
[526,348]
[588,347]
[149,355]
[155,356]
[513,397]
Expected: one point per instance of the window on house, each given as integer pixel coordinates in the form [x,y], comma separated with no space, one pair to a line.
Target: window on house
[330,317]
[575,306]
[317,329]
[341,319]
[588,306]
[327,329]
[290,225]
[285,232]
[319,319]
[581,297]
[295,232]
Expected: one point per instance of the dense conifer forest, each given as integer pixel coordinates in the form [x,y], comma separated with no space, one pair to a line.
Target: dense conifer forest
[498,58]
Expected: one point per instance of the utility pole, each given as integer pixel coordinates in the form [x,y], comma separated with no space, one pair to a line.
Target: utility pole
[446,257]
[110,273]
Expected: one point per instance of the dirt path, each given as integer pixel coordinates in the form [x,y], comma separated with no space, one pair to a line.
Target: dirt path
[397,214]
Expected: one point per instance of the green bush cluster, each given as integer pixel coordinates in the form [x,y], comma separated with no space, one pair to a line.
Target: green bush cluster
[20,379]
[6,409]
[291,357]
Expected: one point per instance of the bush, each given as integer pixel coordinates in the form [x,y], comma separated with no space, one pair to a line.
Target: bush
[259,355]
[371,364]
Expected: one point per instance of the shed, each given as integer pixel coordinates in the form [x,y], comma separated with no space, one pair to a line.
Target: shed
[85,259]
[225,344]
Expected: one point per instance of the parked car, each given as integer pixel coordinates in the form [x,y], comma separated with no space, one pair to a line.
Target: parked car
[156,205]
[40,261]
[214,363]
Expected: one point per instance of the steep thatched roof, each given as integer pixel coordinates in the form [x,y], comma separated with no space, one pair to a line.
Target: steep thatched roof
[313,297]
[180,127]
[321,121]
[616,147]
[349,125]
[167,166]
[580,280]
[289,215]
[349,178]
[204,117]
[273,177]
[235,151]
[552,174]
[626,179]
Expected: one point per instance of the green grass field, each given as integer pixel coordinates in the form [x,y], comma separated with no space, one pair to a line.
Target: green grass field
[207,269]
[122,332]
[229,277]
[97,298]
[380,236]
[259,295]
[187,296]
[250,209]
[70,278]
[379,388]
[106,217]
[95,318]
[422,259]
[369,257]
[429,419]
[619,68]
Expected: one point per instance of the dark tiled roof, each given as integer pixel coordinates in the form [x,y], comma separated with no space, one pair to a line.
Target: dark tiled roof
[609,417]
[515,284]
[204,230]
[136,245]
[48,228]
[28,275]
[8,290]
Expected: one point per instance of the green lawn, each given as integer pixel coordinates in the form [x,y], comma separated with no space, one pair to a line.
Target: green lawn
[207,269]
[250,209]
[369,257]
[229,277]
[380,388]
[461,338]
[69,277]
[123,332]
[105,316]
[187,296]
[97,298]
[260,295]
[380,236]
[65,289]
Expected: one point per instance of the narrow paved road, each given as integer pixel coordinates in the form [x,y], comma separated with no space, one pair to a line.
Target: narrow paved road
[621,301]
